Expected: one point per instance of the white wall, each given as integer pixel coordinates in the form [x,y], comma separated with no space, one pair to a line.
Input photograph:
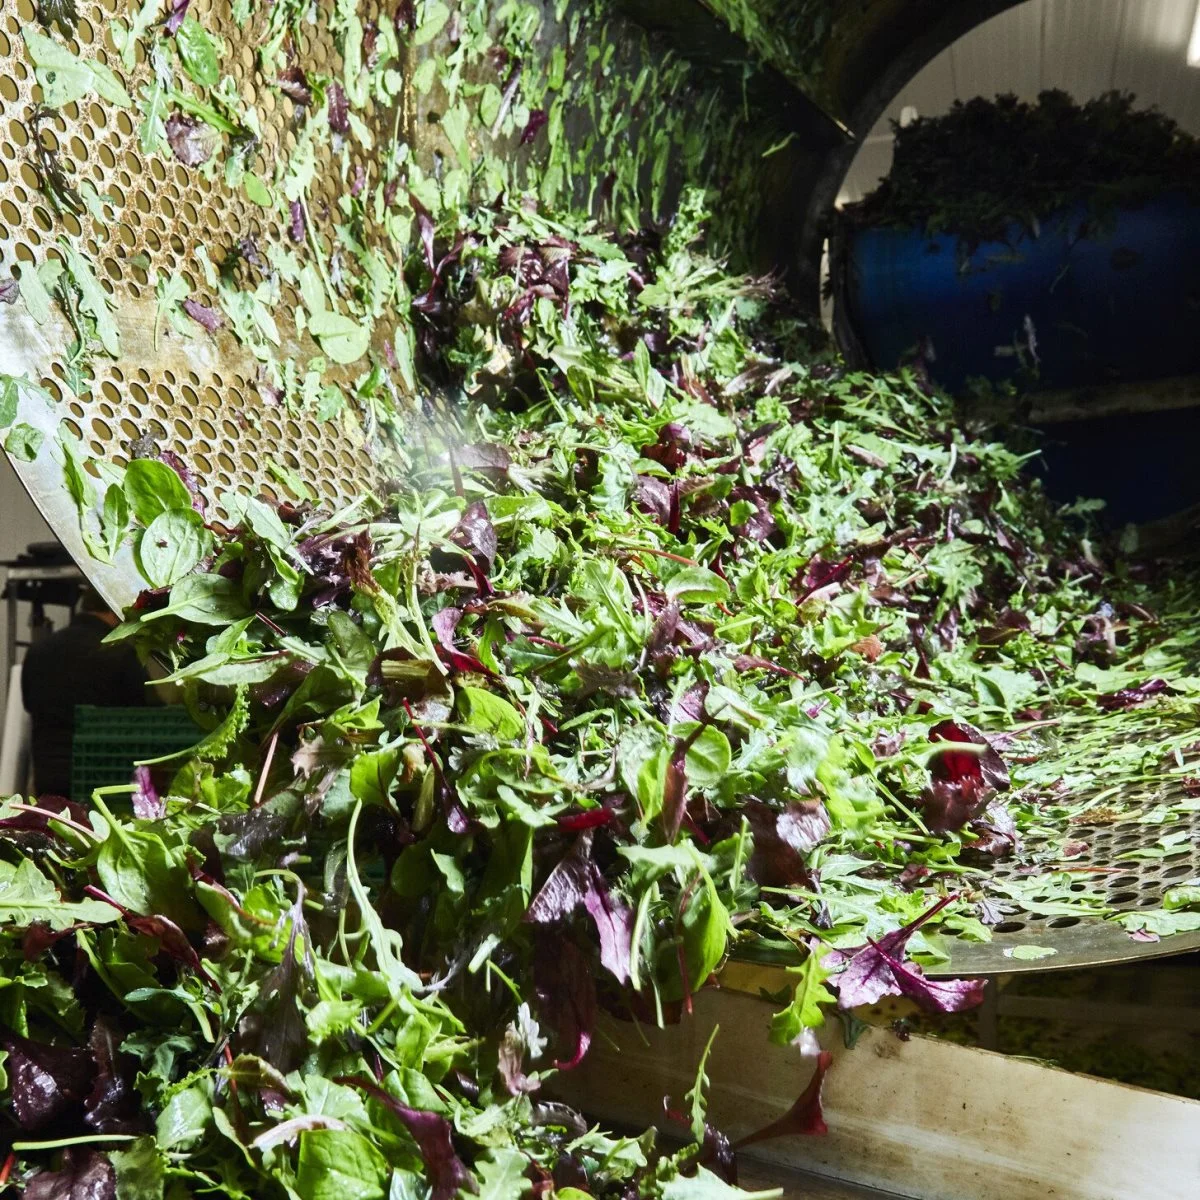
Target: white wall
[1084,47]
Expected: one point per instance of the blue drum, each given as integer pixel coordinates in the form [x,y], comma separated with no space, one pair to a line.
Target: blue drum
[1085,299]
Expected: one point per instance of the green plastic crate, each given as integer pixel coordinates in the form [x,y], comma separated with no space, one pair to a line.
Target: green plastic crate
[109,741]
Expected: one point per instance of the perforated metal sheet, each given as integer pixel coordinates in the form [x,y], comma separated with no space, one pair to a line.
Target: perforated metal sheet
[201,398]
[206,399]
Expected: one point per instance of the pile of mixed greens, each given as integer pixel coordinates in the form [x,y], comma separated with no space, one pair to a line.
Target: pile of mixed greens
[987,165]
[667,637]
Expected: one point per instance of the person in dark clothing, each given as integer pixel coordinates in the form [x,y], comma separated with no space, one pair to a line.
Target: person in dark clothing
[73,666]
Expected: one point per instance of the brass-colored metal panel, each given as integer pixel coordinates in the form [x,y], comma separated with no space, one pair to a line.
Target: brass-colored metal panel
[206,399]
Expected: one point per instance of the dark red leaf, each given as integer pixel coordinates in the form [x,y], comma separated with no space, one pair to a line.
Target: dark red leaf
[674,803]
[805,1117]
[510,1064]
[761,524]
[752,662]
[425,230]
[431,1131]
[476,534]
[172,940]
[662,635]
[38,938]
[84,1175]
[653,497]
[672,448]
[876,970]
[296,225]
[576,880]
[293,83]
[963,782]
[210,318]
[339,110]
[39,821]
[803,825]
[114,1104]
[537,118]
[782,839]
[178,12]
[566,990]
[190,139]
[954,765]
[563,891]
[717,1154]
[613,919]
[593,818]
[189,479]
[46,1083]
[821,573]
[675,788]
[1129,697]
[995,833]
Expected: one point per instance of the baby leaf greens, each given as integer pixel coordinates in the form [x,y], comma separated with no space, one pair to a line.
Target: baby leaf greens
[668,637]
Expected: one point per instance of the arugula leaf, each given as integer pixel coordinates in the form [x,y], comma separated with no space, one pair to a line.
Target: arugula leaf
[27,896]
[804,1011]
[93,299]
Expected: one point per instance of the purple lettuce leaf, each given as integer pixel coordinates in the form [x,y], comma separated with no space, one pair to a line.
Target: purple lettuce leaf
[653,497]
[877,970]
[38,821]
[296,224]
[148,805]
[84,1175]
[210,318]
[566,991]
[339,110]
[674,807]
[47,1084]
[178,10]
[476,534]
[1129,697]
[172,941]
[431,1131]
[114,1104]
[293,83]
[613,919]
[782,839]
[190,140]
[510,1063]
[961,782]
[10,289]
[577,880]
[537,119]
